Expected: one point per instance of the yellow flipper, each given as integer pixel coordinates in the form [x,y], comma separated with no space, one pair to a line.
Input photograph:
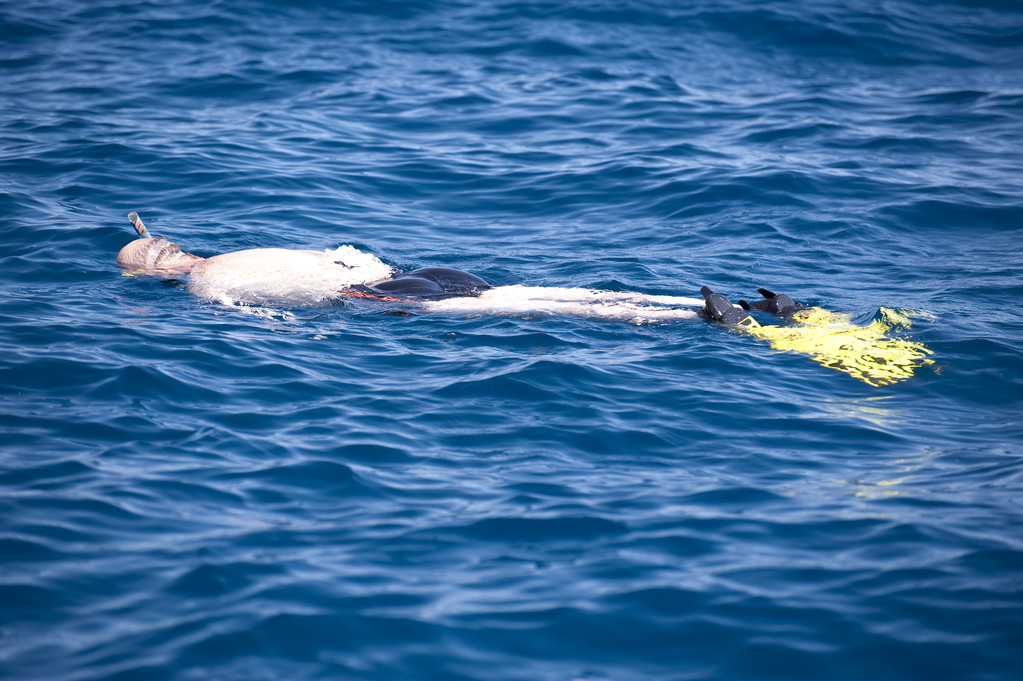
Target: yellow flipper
[864,352]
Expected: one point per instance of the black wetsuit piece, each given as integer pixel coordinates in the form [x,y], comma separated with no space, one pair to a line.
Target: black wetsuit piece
[430,283]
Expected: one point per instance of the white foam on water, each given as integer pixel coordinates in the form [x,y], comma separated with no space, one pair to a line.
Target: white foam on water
[631,307]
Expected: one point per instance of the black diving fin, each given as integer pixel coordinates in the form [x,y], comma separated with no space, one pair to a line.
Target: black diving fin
[717,308]
[774,303]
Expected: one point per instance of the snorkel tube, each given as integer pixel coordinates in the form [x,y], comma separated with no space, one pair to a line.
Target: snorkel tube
[153,256]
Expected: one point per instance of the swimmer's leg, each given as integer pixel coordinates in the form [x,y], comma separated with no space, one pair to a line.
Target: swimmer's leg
[628,306]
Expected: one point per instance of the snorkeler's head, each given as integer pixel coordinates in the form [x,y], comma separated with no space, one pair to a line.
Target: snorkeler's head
[155,255]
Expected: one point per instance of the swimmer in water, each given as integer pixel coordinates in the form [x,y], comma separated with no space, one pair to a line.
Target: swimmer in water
[297,277]
[279,276]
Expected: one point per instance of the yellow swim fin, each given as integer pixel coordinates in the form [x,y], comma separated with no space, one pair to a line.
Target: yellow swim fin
[868,352]
[864,352]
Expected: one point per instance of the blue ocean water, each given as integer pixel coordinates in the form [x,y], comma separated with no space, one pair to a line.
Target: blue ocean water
[190,490]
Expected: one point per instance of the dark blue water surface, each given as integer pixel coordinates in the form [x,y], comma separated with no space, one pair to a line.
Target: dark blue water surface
[190,490]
